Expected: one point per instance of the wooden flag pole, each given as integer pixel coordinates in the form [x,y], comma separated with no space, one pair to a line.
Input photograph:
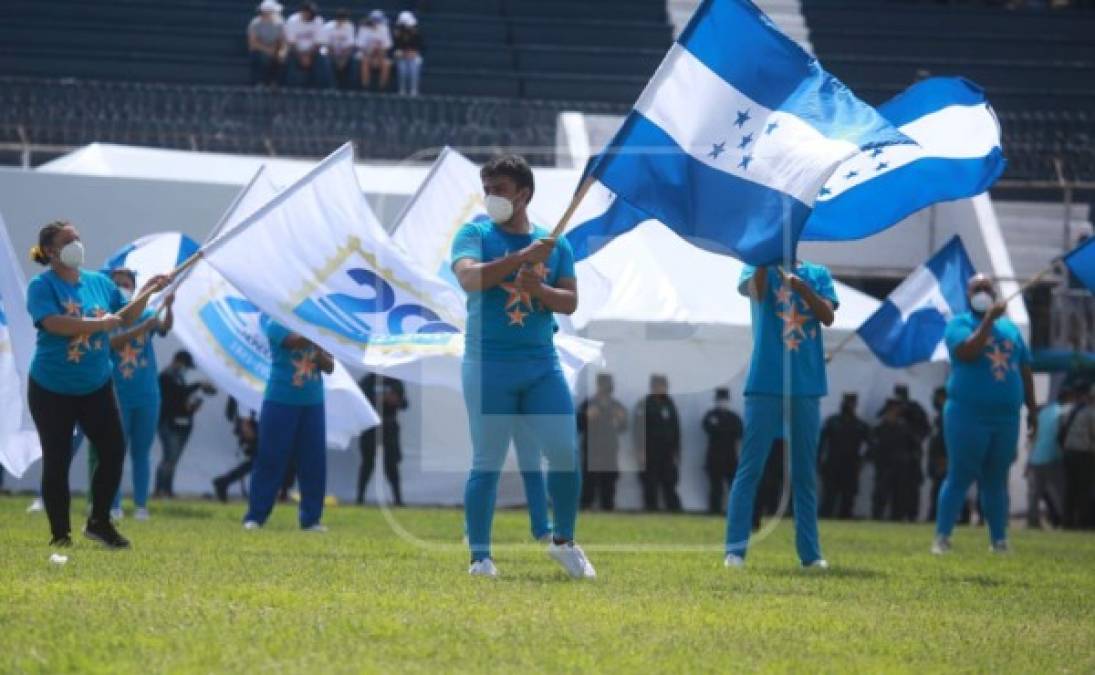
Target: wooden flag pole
[578,196]
[840,346]
[1033,280]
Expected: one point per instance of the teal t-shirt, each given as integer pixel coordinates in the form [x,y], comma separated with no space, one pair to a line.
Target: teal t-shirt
[136,378]
[77,365]
[783,321]
[992,384]
[1045,450]
[295,378]
[503,323]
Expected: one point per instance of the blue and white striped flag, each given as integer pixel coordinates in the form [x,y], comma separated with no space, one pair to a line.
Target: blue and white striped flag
[736,133]
[152,254]
[957,155]
[1081,262]
[908,327]
[19,446]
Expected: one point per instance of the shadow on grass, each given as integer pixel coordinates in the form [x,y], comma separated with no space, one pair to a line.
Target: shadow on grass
[984,581]
[837,572]
[184,511]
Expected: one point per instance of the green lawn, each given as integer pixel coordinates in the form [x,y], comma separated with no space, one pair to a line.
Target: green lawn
[198,594]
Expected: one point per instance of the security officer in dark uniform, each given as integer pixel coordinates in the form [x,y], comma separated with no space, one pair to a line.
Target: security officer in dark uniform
[601,420]
[724,431]
[898,455]
[392,399]
[657,433]
[843,437]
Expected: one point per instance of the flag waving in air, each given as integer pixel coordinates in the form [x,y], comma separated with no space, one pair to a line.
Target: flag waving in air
[1081,262]
[908,327]
[957,155]
[735,134]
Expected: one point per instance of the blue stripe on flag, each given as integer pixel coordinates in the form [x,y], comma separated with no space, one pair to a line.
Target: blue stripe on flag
[117,260]
[187,248]
[900,343]
[928,96]
[713,210]
[952,269]
[1081,261]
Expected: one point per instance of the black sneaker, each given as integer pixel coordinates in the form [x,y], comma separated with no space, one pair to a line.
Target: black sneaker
[105,534]
[61,542]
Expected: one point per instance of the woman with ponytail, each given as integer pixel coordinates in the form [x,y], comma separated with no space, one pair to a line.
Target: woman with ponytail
[74,311]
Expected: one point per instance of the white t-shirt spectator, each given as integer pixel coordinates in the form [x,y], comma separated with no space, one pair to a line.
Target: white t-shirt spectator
[304,35]
[370,37]
[340,38]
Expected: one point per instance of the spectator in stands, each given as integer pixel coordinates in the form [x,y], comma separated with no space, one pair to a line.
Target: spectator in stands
[341,43]
[374,41]
[179,404]
[408,53]
[306,59]
[265,40]
[601,420]
[1078,439]
[1045,468]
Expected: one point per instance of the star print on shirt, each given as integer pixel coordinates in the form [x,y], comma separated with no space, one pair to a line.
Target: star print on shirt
[793,321]
[999,356]
[516,296]
[73,308]
[304,368]
[129,355]
[792,342]
[783,295]
[516,316]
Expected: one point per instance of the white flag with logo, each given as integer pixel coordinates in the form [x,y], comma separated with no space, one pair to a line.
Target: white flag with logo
[19,444]
[225,333]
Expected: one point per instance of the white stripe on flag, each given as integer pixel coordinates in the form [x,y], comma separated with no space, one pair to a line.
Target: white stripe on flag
[919,290]
[680,99]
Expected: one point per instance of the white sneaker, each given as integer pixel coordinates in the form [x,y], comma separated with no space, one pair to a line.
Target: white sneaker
[36,506]
[819,564]
[573,559]
[251,525]
[117,514]
[941,546]
[1001,547]
[483,568]
[733,561]
[140,514]
[318,528]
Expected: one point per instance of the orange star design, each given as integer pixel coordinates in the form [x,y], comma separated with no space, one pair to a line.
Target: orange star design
[73,308]
[793,321]
[516,296]
[541,270]
[304,368]
[999,360]
[78,342]
[783,295]
[127,373]
[129,356]
[517,317]
[74,355]
[791,342]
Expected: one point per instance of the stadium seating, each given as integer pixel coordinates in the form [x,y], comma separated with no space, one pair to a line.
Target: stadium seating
[1037,67]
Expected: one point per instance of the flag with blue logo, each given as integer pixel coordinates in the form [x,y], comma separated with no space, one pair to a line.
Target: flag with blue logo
[736,133]
[1081,262]
[908,327]
[957,154]
[226,333]
[19,445]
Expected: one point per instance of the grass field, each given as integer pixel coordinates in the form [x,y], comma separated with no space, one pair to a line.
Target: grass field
[198,594]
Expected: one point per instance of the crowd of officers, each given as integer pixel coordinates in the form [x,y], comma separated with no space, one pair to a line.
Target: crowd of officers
[895,445]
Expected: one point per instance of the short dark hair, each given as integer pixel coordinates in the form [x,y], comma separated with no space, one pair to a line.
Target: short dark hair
[511,166]
[183,357]
[722,394]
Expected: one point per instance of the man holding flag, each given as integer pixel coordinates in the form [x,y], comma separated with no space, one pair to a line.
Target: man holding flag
[516,278]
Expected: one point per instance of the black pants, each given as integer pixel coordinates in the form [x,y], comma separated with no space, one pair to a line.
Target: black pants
[392,456]
[55,416]
[838,495]
[719,483]
[241,471]
[661,476]
[1079,485]
[600,487]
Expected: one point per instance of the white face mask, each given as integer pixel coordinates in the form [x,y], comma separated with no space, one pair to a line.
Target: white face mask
[980,302]
[72,254]
[499,209]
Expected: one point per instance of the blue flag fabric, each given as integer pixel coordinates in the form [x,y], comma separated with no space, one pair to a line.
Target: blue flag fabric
[908,327]
[1081,262]
[735,134]
[957,155]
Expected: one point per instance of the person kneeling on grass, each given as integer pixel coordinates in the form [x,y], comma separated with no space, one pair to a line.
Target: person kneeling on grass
[990,380]
[788,313]
[292,423]
[514,388]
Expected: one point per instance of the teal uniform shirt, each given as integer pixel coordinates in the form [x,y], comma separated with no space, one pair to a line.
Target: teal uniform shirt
[136,377]
[77,365]
[991,385]
[503,323]
[295,378]
[783,323]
